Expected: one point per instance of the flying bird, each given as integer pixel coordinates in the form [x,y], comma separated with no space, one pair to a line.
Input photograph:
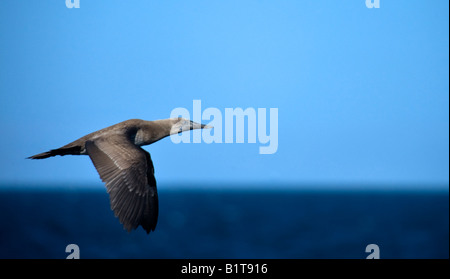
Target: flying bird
[126,168]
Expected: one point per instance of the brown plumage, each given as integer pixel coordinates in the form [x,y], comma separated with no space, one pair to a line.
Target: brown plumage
[126,168]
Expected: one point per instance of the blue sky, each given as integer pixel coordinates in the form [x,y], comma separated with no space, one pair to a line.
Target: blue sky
[362,94]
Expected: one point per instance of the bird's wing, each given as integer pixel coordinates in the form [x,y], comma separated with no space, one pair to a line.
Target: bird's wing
[128,173]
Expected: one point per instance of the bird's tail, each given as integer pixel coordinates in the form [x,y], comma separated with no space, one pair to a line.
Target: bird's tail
[60,151]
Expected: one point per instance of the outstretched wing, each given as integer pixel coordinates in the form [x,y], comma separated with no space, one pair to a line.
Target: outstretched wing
[128,173]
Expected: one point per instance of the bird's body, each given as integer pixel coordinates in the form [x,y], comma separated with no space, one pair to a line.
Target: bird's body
[125,167]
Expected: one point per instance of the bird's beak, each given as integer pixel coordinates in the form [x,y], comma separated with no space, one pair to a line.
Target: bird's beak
[206,126]
[195,125]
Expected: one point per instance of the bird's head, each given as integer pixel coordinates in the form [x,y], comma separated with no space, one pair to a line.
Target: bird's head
[181,124]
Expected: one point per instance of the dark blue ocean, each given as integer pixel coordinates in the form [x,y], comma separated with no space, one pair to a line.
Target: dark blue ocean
[204,223]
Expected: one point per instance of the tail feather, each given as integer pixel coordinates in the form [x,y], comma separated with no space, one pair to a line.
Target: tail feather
[60,151]
[42,155]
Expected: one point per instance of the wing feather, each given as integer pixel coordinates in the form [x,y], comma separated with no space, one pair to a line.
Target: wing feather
[127,171]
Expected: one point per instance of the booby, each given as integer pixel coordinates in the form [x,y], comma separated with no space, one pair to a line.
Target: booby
[126,168]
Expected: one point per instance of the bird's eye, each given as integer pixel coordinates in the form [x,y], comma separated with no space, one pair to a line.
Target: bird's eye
[180,130]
